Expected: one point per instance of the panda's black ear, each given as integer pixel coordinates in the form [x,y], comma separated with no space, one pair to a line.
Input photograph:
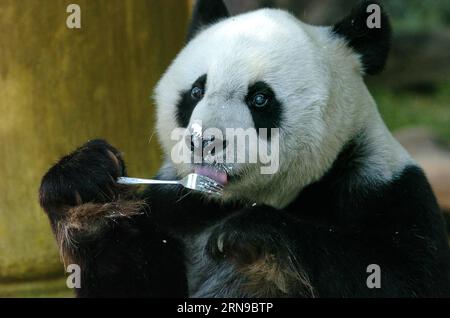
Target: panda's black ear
[368,31]
[206,12]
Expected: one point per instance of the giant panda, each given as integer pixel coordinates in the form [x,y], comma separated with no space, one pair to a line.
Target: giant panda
[345,198]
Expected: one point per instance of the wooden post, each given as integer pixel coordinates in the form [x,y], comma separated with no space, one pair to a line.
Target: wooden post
[60,87]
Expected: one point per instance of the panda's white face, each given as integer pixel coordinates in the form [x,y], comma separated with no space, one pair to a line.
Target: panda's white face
[266,69]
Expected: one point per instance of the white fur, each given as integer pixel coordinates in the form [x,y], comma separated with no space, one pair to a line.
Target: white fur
[316,77]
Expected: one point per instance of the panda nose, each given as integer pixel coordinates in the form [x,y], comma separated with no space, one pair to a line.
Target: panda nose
[210,142]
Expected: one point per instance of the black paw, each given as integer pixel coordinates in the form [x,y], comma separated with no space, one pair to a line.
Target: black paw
[249,236]
[88,174]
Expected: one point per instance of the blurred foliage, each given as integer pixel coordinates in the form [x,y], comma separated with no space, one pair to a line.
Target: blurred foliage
[407,15]
[419,15]
[406,109]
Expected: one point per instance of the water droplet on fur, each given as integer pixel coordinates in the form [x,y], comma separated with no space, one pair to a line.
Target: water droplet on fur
[196,129]
[209,158]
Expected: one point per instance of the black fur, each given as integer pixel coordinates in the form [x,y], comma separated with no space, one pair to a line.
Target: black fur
[117,252]
[268,116]
[186,104]
[373,44]
[328,243]
[91,172]
[206,12]
[130,258]
[396,225]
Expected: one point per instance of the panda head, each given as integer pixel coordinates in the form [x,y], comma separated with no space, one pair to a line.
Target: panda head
[267,70]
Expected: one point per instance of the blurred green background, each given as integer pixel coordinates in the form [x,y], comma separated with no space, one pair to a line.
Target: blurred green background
[61,87]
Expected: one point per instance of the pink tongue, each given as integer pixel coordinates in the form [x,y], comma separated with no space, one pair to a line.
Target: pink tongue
[218,176]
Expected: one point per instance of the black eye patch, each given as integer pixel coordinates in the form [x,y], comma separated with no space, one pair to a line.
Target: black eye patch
[268,116]
[187,102]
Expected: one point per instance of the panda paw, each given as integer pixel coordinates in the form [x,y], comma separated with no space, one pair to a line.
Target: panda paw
[249,236]
[88,175]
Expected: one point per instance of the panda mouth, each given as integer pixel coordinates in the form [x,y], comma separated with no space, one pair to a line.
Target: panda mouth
[219,176]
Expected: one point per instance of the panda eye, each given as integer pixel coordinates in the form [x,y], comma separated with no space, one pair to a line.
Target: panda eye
[197,93]
[260,100]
